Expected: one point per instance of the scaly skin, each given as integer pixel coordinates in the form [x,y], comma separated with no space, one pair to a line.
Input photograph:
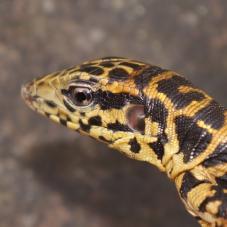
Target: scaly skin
[149,114]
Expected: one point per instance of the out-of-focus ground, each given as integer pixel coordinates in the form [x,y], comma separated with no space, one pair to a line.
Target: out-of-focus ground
[52,177]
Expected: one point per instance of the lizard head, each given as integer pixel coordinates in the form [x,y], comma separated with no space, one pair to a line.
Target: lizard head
[105,99]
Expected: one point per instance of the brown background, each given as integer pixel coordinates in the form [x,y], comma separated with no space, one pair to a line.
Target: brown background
[50,176]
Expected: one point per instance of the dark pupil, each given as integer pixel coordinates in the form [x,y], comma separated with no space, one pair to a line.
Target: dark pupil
[81,96]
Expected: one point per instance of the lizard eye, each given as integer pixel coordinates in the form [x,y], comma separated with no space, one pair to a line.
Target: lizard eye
[80,96]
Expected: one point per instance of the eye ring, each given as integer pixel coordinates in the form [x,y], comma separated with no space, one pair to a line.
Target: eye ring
[79,95]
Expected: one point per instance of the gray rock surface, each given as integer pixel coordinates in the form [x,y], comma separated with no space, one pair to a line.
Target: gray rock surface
[53,177]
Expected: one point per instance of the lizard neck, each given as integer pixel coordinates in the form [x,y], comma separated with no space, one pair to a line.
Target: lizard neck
[199,128]
[184,119]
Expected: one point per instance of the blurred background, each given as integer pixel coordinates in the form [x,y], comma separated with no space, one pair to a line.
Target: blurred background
[50,176]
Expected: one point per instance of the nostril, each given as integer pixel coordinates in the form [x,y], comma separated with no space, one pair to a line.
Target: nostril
[26,93]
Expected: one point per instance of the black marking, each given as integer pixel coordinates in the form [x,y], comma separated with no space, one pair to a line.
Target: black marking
[47,114]
[187,98]
[118,74]
[68,118]
[212,114]
[107,64]
[198,218]
[143,79]
[202,206]
[197,141]
[158,148]
[131,65]
[222,181]
[118,127]
[167,86]
[96,120]
[63,122]
[94,70]
[84,127]
[218,196]
[103,139]
[134,145]
[71,109]
[50,103]
[222,211]
[170,87]
[219,156]
[188,183]
[109,100]
[193,140]
[183,125]
[157,111]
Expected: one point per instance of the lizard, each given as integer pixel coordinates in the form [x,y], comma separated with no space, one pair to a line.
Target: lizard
[149,114]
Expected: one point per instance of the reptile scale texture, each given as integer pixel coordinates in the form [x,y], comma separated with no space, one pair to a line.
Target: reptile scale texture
[149,114]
